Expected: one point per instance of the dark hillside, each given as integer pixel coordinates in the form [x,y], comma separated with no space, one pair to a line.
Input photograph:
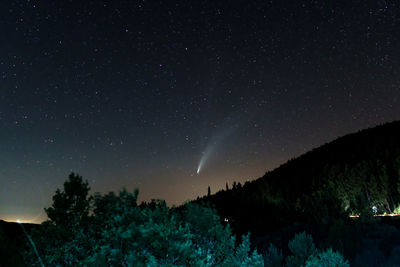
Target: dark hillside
[351,174]
[12,242]
[13,229]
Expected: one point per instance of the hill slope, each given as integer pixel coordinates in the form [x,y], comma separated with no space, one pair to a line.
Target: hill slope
[12,242]
[348,175]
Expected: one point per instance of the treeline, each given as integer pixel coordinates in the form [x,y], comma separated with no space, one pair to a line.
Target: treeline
[114,230]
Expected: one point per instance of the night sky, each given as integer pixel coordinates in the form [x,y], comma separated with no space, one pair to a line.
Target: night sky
[148,93]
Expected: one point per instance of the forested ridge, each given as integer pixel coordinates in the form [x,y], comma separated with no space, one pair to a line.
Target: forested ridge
[349,175]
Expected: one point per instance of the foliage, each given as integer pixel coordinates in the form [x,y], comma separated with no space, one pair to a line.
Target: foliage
[113,230]
[361,207]
[304,254]
[301,247]
[397,210]
[273,257]
[63,239]
[70,205]
[328,258]
[143,237]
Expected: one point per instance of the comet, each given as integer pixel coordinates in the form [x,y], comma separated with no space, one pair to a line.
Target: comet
[198,170]
[215,142]
[204,157]
[225,130]
[202,160]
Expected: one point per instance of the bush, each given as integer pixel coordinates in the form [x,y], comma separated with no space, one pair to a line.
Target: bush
[328,258]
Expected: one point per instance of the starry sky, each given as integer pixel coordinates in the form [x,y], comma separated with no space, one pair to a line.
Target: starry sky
[139,93]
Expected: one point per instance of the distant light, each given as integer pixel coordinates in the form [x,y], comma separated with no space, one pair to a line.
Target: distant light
[18,221]
[374,209]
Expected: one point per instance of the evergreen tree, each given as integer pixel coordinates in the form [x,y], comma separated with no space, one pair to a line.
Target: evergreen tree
[72,204]
[63,239]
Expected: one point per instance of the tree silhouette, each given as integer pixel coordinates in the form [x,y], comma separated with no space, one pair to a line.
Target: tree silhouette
[123,233]
[72,204]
